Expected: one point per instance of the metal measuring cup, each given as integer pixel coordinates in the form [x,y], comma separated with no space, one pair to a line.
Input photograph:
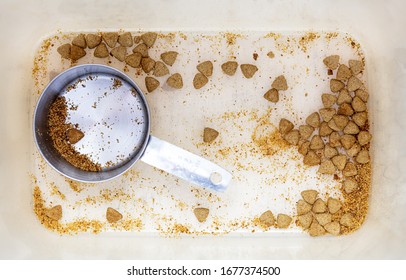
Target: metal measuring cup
[113,112]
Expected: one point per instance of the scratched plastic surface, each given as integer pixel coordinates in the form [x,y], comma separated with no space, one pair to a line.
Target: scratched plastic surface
[266,175]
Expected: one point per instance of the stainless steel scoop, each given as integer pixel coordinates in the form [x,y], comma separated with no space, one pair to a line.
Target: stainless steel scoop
[113,113]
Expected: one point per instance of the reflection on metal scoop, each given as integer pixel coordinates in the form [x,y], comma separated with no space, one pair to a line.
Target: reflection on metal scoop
[112,111]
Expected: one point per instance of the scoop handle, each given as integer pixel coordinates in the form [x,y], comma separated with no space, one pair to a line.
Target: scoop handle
[185,165]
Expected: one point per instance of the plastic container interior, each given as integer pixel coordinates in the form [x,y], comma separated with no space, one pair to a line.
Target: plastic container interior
[378,26]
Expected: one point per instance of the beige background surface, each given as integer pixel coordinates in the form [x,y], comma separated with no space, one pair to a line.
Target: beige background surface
[378,25]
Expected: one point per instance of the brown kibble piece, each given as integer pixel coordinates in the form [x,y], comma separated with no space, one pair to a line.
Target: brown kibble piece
[327,167]
[110,38]
[169,57]
[309,196]
[313,120]
[354,150]
[112,215]
[101,51]
[248,70]
[199,80]
[270,54]
[151,84]
[353,83]
[341,121]
[344,97]
[319,206]
[324,130]
[134,60]
[347,141]
[272,95]
[80,41]
[149,38]
[280,83]
[201,214]
[356,66]
[316,229]
[362,94]
[285,126]
[311,159]
[74,135]
[323,218]
[305,131]
[316,143]
[206,68]
[283,221]
[333,205]
[345,109]
[331,61]
[175,81]
[347,220]
[350,185]
[343,73]
[363,157]
[304,148]
[142,49]
[336,85]
[303,207]
[327,114]
[305,220]
[147,64]
[76,53]
[358,104]
[360,118]
[328,100]
[54,213]
[350,170]
[229,67]
[334,139]
[209,134]
[333,228]
[125,39]
[119,52]
[292,137]
[93,40]
[329,151]
[339,161]
[351,128]
[64,51]
[364,137]
[332,124]
[137,39]
[267,218]
[161,69]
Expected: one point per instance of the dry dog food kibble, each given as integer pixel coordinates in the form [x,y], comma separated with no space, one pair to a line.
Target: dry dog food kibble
[125,39]
[331,61]
[110,38]
[134,60]
[285,126]
[272,95]
[80,41]
[209,134]
[147,64]
[169,57]
[149,38]
[280,83]
[175,81]
[76,53]
[119,52]
[54,213]
[93,40]
[248,70]
[309,196]
[267,218]
[356,66]
[229,67]
[199,80]
[101,51]
[112,215]
[151,84]
[206,68]
[74,135]
[64,51]
[283,221]
[201,214]
[141,49]
[160,69]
